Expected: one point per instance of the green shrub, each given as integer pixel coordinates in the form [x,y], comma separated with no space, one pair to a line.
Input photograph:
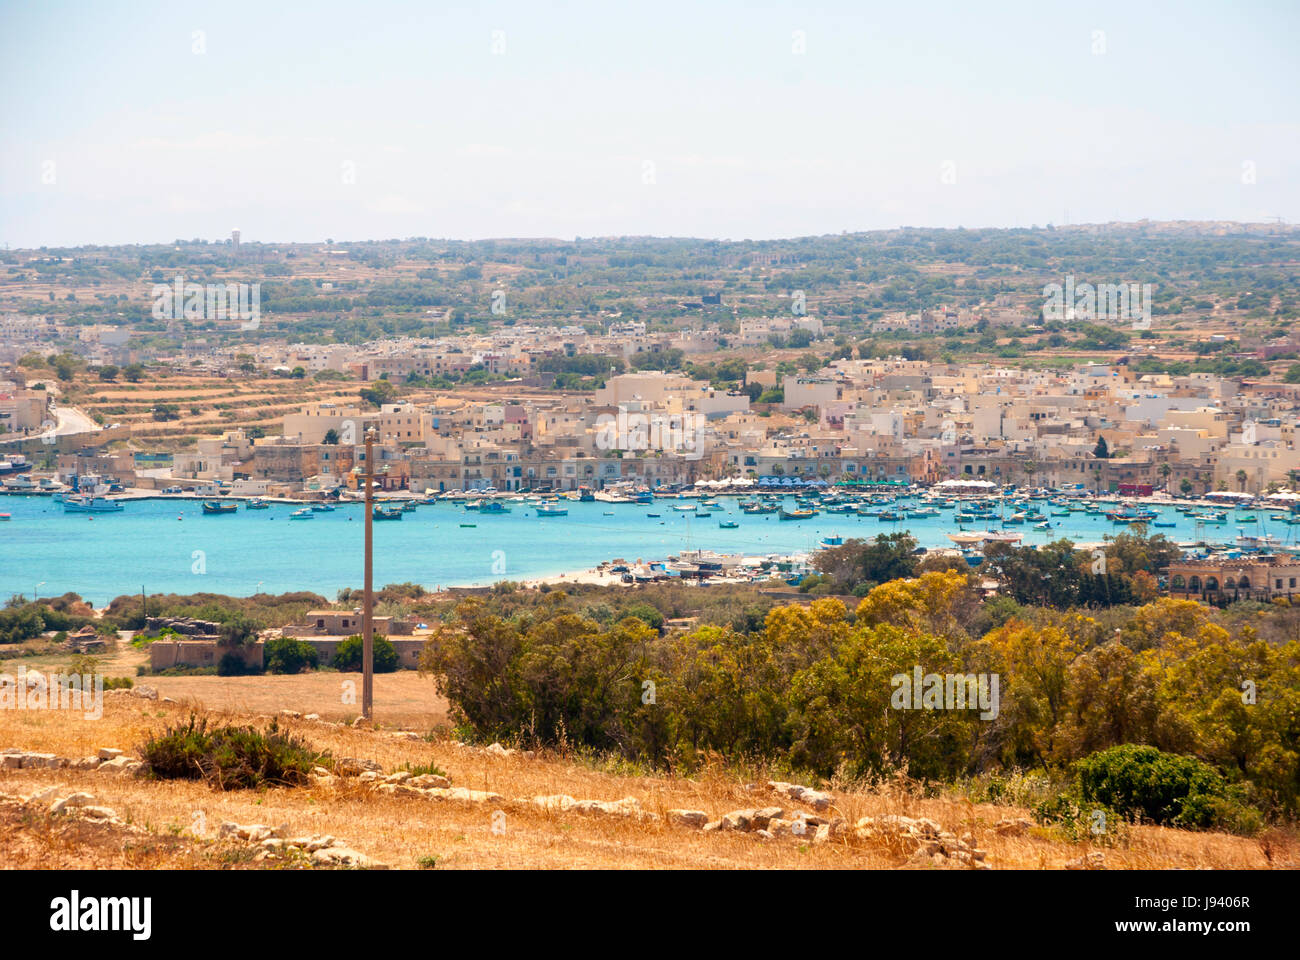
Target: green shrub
[118,683]
[347,657]
[230,757]
[290,655]
[1161,787]
[420,769]
[232,665]
[1076,821]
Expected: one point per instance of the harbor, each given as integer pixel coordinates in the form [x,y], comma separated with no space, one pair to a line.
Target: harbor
[103,544]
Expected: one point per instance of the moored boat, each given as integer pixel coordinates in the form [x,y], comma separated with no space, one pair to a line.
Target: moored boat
[92,505]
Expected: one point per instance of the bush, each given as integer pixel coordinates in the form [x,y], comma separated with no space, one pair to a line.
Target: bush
[230,757]
[118,683]
[232,665]
[1161,787]
[347,657]
[289,655]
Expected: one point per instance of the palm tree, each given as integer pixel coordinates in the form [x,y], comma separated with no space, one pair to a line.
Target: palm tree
[1165,470]
[1241,479]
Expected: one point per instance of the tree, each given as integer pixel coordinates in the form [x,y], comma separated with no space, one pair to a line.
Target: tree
[1242,477]
[108,373]
[134,372]
[1186,487]
[348,657]
[379,393]
[1101,451]
[290,655]
[331,437]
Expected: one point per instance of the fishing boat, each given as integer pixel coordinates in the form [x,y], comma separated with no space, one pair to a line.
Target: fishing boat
[94,505]
[388,513]
[1167,524]
[408,506]
[585,495]
[686,507]
[4,516]
[886,516]
[797,514]
[256,505]
[835,541]
[1045,525]
[760,508]
[654,516]
[965,539]
[469,524]
[922,512]
[303,514]
[722,524]
[215,507]
[973,557]
[322,508]
[493,506]
[547,510]
[703,515]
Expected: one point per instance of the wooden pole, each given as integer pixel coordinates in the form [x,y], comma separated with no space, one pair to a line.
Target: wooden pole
[368,621]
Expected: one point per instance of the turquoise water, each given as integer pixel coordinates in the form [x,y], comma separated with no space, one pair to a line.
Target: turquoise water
[171,547]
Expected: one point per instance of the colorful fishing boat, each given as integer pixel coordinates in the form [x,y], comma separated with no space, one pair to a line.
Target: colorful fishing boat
[215,507]
[546,510]
[797,514]
[388,513]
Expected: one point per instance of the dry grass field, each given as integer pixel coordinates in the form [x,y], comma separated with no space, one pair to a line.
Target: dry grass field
[159,817]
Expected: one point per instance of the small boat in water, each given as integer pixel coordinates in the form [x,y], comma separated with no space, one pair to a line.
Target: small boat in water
[722,524]
[493,506]
[303,514]
[388,513]
[797,514]
[215,507]
[835,541]
[256,505]
[551,511]
[322,508]
[92,505]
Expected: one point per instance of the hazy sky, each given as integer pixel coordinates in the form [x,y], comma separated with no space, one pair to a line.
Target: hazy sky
[145,122]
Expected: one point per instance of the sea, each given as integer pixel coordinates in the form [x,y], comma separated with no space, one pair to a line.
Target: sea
[171,546]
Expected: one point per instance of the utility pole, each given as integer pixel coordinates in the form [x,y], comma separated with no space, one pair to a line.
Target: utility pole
[368,620]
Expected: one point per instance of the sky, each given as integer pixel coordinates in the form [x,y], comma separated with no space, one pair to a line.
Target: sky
[144,122]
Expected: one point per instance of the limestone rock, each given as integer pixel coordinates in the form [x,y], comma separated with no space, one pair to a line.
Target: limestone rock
[688,818]
[1013,828]
[1089,861]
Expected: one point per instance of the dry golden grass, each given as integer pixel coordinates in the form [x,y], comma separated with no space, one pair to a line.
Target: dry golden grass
[401,831]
